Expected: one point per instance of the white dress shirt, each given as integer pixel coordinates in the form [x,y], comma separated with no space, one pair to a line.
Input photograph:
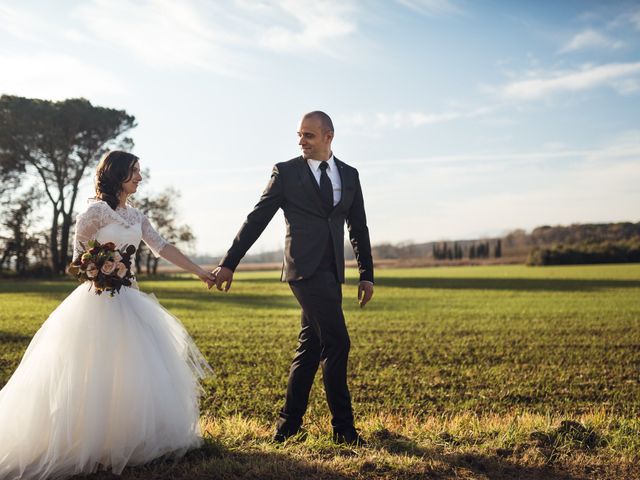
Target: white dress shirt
[332,172]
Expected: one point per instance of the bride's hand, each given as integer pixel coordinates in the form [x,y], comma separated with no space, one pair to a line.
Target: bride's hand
[207,278]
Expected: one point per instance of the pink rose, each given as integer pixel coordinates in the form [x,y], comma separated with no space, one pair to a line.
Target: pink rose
[92,271]
[117,257]
[121,269]
[108,267]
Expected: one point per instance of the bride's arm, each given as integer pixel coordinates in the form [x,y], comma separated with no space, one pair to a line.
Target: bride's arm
[87,224]
[161,248]
[171,253]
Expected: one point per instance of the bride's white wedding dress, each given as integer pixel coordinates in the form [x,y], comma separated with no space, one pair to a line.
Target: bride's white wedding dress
[106,381]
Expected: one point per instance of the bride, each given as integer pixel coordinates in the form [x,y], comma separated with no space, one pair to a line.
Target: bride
[107,381]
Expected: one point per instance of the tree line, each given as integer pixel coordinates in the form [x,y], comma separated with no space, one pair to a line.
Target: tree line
[624,251]
[545,245]
[46,149]
[585,243]
[456,251]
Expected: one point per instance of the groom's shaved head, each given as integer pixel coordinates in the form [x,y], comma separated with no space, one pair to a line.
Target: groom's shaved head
[325,120]
[315,134]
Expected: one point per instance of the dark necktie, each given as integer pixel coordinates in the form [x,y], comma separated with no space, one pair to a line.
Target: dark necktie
[326,189]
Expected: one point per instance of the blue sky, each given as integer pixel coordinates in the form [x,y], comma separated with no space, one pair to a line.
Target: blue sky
[464,118]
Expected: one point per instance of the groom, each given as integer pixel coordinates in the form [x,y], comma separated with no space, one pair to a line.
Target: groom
[318,194]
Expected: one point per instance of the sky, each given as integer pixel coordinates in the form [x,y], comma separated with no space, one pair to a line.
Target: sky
[464,118]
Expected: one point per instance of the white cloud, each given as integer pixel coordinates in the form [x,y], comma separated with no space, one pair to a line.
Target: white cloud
[17,22]
[224,37]
[490,162]
[217,36]
[624,148]
[398,120]
[591,39]
[627,86]
[433,7]
[634,18]
[588,77]
[315,27]
[160,33]
[56,77]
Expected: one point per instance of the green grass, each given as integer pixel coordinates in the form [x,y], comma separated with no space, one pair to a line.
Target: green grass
[453,372]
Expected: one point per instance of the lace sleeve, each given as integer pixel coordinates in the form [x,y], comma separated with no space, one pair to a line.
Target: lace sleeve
[87,224]
[151,237]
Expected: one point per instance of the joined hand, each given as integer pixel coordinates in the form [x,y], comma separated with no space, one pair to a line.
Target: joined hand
[222,275]
[207,278]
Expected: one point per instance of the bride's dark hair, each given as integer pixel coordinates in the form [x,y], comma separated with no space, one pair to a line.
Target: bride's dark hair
[115,168]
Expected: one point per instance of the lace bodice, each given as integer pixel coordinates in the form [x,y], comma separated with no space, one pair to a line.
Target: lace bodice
[123,226]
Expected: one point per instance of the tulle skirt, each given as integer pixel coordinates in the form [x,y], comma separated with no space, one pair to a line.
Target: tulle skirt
[106,382]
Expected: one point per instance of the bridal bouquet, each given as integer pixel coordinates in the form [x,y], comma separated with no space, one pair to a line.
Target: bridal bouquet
[106,267]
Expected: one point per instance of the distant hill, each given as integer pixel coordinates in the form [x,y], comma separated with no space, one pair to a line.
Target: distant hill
[587,243]
[588,232]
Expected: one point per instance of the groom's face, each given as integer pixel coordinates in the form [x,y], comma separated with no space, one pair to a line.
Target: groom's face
[313,140]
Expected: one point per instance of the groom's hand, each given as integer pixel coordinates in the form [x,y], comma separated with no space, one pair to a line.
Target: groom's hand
[365,292]
[223,276]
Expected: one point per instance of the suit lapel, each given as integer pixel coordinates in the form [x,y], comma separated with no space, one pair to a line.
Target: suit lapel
[309,183]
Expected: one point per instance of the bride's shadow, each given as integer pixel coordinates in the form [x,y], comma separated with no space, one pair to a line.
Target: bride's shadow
[213,461]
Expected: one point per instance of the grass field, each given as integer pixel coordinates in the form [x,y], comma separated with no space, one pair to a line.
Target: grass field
[468,372]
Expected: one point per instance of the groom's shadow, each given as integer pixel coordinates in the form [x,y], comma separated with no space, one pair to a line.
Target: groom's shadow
[485,465]
[214,461]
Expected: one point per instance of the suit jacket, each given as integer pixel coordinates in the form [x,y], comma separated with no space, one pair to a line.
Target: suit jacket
[293,188]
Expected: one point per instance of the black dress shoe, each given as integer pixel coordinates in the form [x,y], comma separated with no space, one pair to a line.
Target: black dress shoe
[283,436]
[280,437]
[349,437]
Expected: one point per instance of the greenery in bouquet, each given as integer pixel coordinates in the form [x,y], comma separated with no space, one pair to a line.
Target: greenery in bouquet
[106,267]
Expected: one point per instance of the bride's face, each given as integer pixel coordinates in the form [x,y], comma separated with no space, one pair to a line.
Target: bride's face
[130,186]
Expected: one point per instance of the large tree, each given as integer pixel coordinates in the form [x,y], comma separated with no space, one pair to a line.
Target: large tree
[60,142]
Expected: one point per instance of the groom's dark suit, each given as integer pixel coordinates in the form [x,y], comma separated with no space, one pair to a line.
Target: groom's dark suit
[314,267]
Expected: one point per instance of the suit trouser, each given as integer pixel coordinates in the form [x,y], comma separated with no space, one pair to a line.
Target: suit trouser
[324,341]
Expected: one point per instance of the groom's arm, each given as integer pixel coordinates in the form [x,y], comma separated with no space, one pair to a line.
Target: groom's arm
[269,203]
[359,235]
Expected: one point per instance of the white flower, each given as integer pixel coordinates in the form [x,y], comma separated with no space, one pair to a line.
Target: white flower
[92,270]
[108,267]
